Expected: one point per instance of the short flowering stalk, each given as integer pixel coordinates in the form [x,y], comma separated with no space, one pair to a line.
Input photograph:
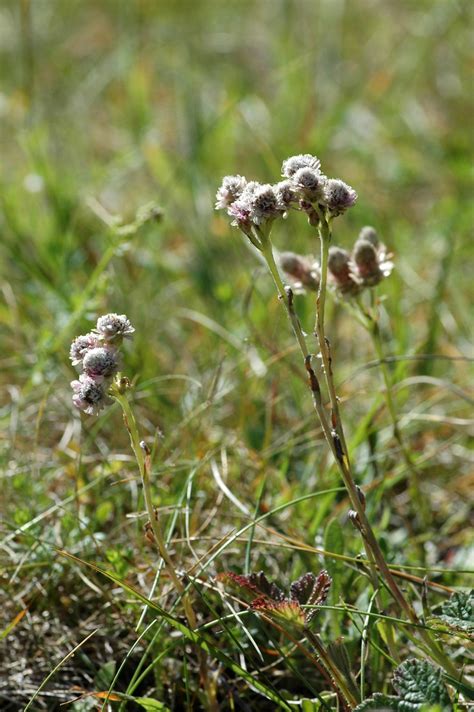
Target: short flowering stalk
[140,451]
[331,434]
[142,456]
[97,353]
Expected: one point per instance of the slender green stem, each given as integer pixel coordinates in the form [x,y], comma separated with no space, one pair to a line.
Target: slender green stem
[145,477]
[325,240]
[286,297]
[153,517]
[267,251]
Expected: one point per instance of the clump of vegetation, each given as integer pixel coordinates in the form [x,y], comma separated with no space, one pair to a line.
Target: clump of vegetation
[254,493]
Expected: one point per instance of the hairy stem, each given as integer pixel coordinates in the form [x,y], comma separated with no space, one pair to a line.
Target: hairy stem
[325,240]
[143,462]
[286,296]
[333,435]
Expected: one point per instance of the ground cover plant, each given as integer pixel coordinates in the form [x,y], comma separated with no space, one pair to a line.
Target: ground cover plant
[256,493]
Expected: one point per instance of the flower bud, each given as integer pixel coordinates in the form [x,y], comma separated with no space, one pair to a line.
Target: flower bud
[231,188]
[240,210]
[301,269]
[286,194]
[264,204]
[371,263]
[340,271]
[311,212]
[310,183]
[365,256]
[369,234]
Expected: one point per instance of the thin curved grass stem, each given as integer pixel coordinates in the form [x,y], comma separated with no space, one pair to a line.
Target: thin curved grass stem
[414,490]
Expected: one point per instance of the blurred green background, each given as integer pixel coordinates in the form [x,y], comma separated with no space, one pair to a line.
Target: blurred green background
[106,105]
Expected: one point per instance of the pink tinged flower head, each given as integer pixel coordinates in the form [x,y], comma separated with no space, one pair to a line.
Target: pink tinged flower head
[113,327]
[341,271]
[310,183]
[371,260]
[303,160]
[240,211]
[81,346]
[302,270]
[365,257]
[89,395]
[338,196]
[230,190]
[101,363]
[286,194]
[264,204]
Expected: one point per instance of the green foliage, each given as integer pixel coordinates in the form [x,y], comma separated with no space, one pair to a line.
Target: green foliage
[458,612]
[420,687]
[387,703]
[118,120]
[418,683]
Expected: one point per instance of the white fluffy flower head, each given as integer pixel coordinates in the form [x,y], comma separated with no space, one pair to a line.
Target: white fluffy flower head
[230,190]
[303,160]
[114,327]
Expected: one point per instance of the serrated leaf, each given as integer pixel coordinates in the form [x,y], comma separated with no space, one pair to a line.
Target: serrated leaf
[379,702]
[319,594]
[302,588]
[191,635]
[419,683]
[458,613]
[268,588]
[256,584]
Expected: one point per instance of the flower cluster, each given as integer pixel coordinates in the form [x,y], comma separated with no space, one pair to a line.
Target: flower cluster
[254,206]
[366,266]
[349,272]
[97,353]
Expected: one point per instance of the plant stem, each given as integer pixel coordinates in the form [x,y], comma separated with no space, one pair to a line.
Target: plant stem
[286,296]
[143,463]
[333,437]
[325,240]
[145,477]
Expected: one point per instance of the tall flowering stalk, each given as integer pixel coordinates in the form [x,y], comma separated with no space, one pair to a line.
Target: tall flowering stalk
[99,384]
[254,207]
